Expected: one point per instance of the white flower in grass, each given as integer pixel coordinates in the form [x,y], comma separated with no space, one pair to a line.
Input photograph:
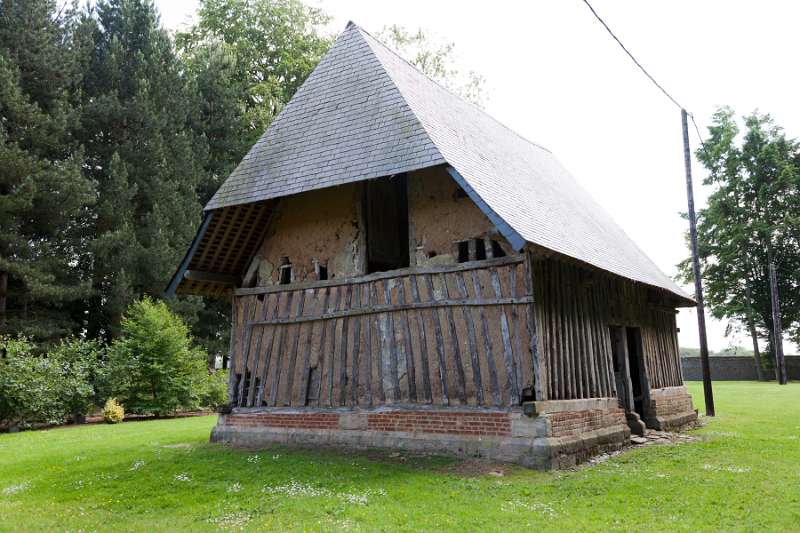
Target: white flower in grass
[731,469]
[738,469]
[236,487]
[516,505]
[253,459]
[276,457]
[231,520]
[295,488]
[183,476]
[354,499]
[137,465]
[16,489]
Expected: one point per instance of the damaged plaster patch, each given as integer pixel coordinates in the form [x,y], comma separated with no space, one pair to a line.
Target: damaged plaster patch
[346,262]
[265,271]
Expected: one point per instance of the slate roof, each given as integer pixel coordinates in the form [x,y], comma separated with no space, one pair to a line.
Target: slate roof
[365,113]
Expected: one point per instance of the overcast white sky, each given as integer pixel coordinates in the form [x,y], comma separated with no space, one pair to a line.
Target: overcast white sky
[554,75]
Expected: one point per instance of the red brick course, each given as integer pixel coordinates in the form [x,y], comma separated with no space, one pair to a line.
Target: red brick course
[576,422]
[671,405]
[460,423]
[287,420]
[486,424]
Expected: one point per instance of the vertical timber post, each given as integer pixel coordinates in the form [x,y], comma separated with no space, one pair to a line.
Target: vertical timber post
[539,365]
[777,332]
[698,285]
[231,365]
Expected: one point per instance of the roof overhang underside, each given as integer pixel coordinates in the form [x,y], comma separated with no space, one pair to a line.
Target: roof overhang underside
[224,246]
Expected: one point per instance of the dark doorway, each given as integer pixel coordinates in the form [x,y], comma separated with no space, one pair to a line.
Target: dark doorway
[386,217]
[636,365]
[629,374]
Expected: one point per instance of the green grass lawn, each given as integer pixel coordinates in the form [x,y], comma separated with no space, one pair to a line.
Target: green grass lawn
[163,476]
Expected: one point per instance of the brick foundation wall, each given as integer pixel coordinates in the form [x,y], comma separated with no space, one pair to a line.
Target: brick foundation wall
[549,434]
[672,403]
[489,424]
[288,420]
[486,424]
[669,408]
[577,422]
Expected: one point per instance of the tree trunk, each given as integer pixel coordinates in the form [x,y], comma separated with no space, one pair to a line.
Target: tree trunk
[3,295]
[777,334]
[756,353]
[754,335]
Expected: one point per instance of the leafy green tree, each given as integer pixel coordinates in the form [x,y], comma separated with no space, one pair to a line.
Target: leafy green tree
[437,60]
[247,59]
[753,215]
[44,193]
[143,152]
[153,367]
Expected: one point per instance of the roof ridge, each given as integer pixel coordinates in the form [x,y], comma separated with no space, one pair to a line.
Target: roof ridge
[352,24]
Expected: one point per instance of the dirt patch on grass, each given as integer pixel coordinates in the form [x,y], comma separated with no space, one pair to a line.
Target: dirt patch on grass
[475,468]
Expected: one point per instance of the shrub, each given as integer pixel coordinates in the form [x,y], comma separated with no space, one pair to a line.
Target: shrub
[80,363]
[215,393]
[30,385]
[155,367]
[113,412]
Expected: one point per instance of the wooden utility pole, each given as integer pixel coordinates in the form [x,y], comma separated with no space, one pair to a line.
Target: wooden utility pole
[777,331]
[698,286]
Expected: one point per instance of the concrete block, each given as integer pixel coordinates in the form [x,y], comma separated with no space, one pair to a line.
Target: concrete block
[523,426]
[353,421]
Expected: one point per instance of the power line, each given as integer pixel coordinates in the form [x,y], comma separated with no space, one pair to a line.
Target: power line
[702,142]
[662,89]
[644,70]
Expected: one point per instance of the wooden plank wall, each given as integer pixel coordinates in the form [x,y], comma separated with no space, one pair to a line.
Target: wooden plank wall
[662,357]
[573,330]
[443,336]
[575,307]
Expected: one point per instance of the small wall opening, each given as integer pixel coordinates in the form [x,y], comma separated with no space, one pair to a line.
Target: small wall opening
[246,384]
[497,250]
[234,399]
[480,250]
[312,385]
[463,251]
[322,271]
[286,274]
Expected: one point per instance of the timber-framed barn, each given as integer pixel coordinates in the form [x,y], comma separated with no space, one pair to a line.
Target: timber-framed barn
[406,272]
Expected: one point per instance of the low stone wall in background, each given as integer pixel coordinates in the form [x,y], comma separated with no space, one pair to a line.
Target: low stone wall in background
[735,368]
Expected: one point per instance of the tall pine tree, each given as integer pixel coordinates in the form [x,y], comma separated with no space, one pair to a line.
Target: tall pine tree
[44,193]
[144,155]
